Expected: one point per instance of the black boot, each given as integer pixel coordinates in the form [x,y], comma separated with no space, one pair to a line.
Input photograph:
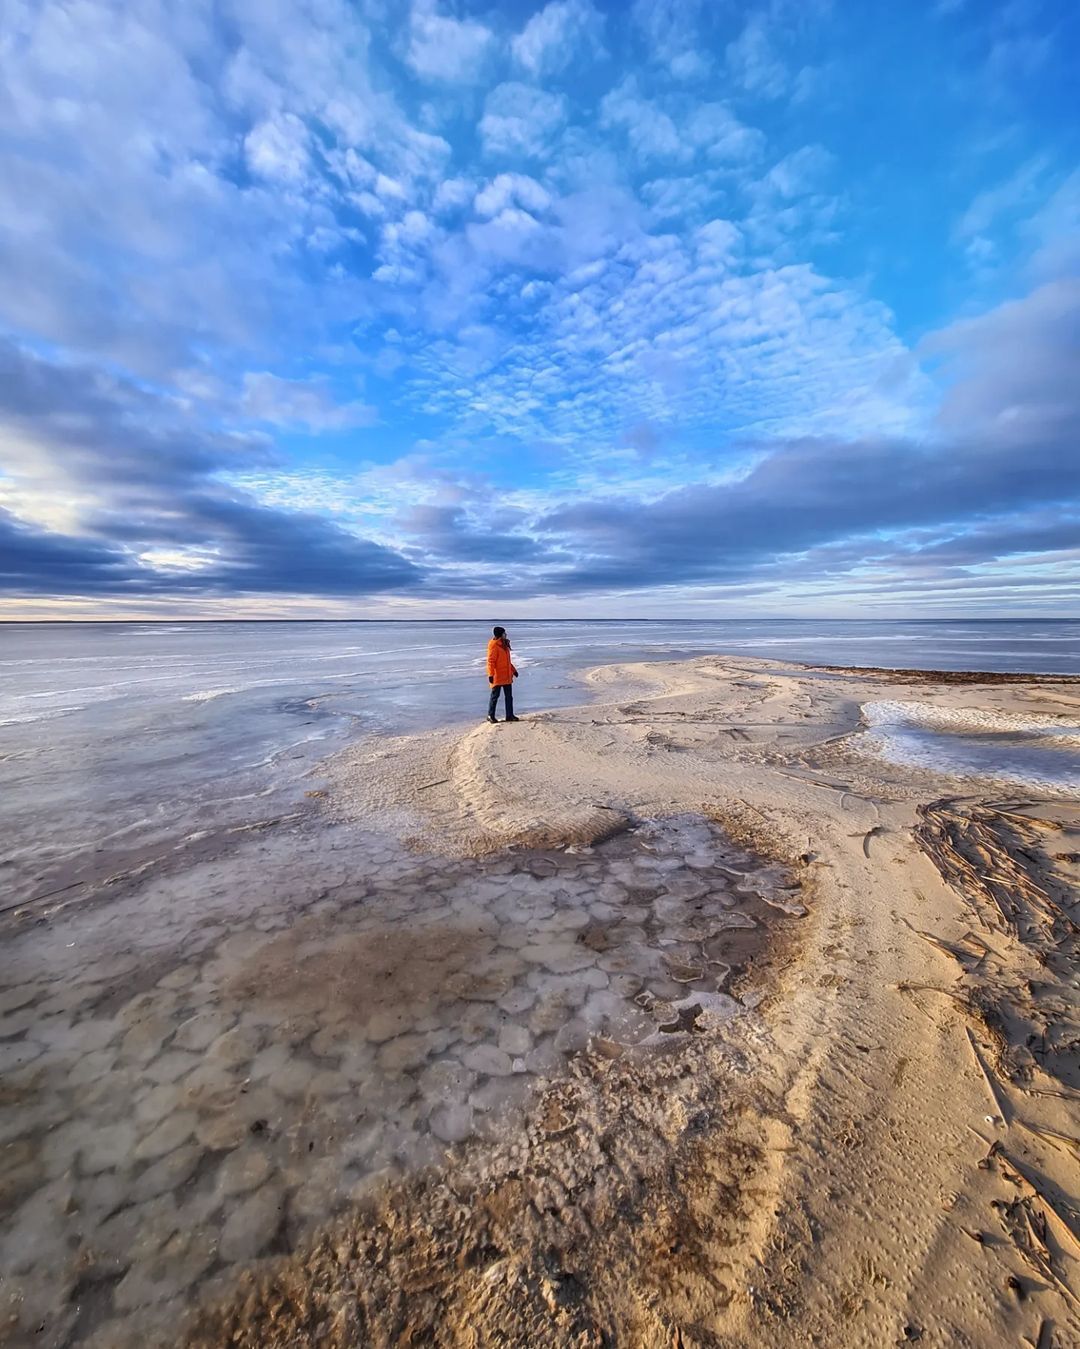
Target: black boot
[494,720]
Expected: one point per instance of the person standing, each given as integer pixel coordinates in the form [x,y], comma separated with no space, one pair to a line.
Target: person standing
[501,674]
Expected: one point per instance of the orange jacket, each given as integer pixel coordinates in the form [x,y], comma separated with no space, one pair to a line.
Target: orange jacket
[499,666]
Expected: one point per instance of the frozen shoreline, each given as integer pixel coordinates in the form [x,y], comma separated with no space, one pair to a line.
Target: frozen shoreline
[212,1062]
[119,741]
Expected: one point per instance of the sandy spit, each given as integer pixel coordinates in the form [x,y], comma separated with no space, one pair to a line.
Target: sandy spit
[884,1151]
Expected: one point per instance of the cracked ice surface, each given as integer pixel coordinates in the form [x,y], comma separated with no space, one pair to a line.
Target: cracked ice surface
[199,1071]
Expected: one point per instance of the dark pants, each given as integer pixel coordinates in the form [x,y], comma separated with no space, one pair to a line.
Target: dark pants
[507,690]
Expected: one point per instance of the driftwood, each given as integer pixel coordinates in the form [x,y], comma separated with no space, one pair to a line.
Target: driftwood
[986,853]
[1000,1104]
[910,986]
[994,857]
[1058,1140]
[871,833]
[1019,1175]
[1017,983]
[1049,1091]
[1027,1220]
[956,951]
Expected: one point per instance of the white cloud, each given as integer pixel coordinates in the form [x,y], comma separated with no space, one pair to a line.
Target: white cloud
[389,189]
[125,230]
[671,36]
[446,49]
[452,195]
[520,120]
[179,559]
[799,172]
[1016,58]
[686,198]
[677,128]
[718,241]
[980,253]
[368,204]
[714,129]
[689,65]
[753,62]
[300,402]
[634,329]
[812,84]
[404,246]
[669,27]
[278,149]
[576,308]
[1054,230]
[1017,192]
[512,238]
[651,132]
[511,188]
[561,31]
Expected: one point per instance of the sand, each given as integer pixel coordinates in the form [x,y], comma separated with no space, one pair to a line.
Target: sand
[877,1146]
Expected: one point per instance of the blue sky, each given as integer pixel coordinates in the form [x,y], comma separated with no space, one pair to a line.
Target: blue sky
[386,309]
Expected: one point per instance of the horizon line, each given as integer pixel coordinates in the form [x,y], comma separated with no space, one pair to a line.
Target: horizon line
[769,618]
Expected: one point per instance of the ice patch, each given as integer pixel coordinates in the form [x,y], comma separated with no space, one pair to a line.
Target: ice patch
[24,718]
[971,721]
[1026,750]
[208,695]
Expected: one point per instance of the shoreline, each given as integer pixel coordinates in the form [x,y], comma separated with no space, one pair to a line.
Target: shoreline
[71,873]
[889,1067]
[455,787]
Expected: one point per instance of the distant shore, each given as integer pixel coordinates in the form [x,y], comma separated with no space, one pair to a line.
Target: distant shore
[908,676]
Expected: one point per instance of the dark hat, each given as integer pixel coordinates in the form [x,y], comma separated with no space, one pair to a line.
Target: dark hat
[499,632]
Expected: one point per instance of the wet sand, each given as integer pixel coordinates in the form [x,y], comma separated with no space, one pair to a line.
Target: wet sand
[683,1017]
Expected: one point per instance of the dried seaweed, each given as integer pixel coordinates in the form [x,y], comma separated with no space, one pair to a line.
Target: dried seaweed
[1028,1219]
[987,853]
[1066,1142]
[993,856]
[1000,1103]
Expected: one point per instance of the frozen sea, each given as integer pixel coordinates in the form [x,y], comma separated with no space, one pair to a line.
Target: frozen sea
[121,738]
